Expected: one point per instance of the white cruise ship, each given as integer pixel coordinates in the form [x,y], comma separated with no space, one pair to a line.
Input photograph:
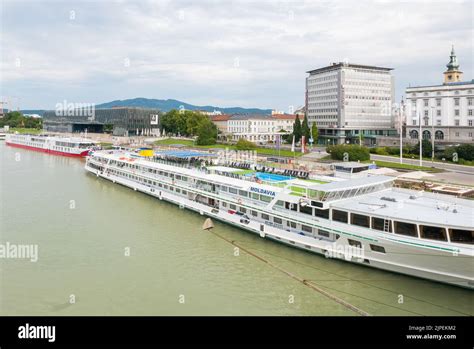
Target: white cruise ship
[364,220]
[77,147]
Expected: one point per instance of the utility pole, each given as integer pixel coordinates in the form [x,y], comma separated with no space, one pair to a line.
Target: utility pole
[400,113]
[432,135]
[420,139]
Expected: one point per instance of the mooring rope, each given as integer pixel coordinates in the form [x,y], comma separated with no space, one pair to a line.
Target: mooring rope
[305,282]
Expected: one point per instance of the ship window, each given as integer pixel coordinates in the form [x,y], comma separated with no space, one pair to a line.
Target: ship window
[404,228]
[223,188]
[380,224]
[321,213]
[355,243]
[233,207]
[306,209]
[277,220]
[339,216]
[265,216]
[232,190]
[243,193]
[461,236]
[254,196]
[306,228]
[323,233]
[377,248]
[184,192]
[265,198]
[291,224]
[360,220]
[243,210]
[434,233]
[279,203]
[254,213]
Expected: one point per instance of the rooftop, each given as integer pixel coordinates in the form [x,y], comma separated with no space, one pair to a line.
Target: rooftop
[459,83]
[410,205]
[346,65]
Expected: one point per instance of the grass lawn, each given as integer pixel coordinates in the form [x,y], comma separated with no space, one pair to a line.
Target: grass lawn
[25,130]
[261,151]
[396,165]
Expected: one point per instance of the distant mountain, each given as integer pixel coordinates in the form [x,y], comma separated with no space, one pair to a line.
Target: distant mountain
[165,105]
[168,104]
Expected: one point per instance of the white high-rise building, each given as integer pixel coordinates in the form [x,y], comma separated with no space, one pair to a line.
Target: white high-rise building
[349,100]
[446,110]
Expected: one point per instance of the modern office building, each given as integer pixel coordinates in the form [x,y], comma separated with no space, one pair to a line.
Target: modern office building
[447,110]
[349,100]
[122,121]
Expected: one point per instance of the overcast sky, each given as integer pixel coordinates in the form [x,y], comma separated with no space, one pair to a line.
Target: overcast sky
[223,53]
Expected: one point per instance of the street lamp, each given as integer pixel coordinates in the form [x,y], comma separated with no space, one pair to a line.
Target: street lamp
[432,135]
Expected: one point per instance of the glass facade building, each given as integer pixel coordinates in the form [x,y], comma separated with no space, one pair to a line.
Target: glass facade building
[121,121]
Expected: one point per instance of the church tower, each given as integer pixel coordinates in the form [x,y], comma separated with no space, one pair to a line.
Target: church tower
[453,74]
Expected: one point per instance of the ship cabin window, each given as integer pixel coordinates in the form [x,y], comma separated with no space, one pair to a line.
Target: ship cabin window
[306,228]
[360,220]
[254,213]
[184,192]
[323,233]
[255,196]
[461,236]
[339,216]
[277,220]
[265,198]
[382,224]
[354,243]
[178,177]
[290,206]
[223,188]
[321,213]
[243,193]
[232,190]
[291,224]
[265,216]
[433,233]
[377,248]
[306,210]
[224,204]
[404,228]
[243,210]
[279,203]
[233,207]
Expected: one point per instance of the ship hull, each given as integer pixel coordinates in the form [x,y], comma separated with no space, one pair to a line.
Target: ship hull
[49,151]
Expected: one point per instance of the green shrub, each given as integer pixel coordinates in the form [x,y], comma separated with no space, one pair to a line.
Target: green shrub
[354,152]
[243,144]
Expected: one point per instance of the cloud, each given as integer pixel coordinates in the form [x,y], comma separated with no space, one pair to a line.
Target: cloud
[248,53]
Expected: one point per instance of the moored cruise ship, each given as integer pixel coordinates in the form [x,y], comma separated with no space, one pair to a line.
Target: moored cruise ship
[78,147]
[364,220]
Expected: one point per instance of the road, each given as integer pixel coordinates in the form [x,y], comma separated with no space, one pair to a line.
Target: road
[427,163]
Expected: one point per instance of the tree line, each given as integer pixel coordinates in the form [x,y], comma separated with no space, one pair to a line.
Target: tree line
[301,129]
[16,119]
[189,123]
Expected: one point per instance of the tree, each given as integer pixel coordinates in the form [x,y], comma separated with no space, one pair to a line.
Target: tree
[315,133]
[305,131]
[297,131]
[206,132]
[426,148]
